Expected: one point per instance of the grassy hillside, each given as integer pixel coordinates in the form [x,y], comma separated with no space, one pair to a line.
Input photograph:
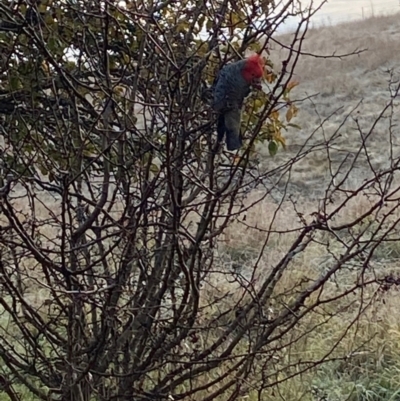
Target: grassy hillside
[361,85]
[336,87]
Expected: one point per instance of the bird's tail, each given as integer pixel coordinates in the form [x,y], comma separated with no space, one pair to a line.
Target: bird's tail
[221,129]
[231,120]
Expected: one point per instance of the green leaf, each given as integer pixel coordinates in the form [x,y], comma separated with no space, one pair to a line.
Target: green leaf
[154,168]
[273,148]
[52,44]
[294,126]
[14,82]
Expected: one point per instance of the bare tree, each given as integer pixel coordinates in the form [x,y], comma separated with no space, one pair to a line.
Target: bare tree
[115,207]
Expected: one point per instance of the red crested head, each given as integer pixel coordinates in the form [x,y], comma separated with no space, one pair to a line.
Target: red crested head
[253,68]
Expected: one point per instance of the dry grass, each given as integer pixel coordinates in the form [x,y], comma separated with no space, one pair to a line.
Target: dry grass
[335,87]
[378,35]
[374,372]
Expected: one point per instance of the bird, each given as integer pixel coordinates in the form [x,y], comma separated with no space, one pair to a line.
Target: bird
[231,86]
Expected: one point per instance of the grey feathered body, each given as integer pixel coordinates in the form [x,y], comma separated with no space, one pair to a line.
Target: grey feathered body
[230,90]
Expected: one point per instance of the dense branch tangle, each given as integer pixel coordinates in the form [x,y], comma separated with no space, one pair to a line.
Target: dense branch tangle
[119,204]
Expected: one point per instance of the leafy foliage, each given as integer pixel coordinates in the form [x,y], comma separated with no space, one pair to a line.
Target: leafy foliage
[134,55]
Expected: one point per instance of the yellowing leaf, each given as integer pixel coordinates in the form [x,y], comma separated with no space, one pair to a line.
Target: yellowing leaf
[292,112]
[258,104]
[280,139]
[269,76]
[182,27]
[292,84]
[274,115]
[235,19]
[236,160]
[289,114]
[119,90]
[45,67]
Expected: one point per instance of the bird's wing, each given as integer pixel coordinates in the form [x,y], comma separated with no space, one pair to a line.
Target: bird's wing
[219,92]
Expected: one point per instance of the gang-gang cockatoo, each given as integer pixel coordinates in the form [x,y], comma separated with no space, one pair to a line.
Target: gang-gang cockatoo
[232,85]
